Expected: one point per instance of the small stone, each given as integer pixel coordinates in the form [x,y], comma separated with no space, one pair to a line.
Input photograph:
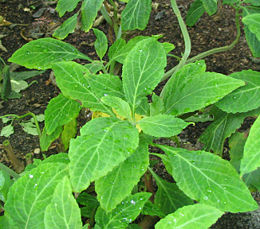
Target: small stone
[37,151]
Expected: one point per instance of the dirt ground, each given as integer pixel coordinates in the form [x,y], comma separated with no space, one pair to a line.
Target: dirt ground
[31,19]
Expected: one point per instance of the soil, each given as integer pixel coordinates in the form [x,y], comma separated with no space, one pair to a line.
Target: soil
[32,19]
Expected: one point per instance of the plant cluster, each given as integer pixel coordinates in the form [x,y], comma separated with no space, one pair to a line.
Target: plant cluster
[107,171]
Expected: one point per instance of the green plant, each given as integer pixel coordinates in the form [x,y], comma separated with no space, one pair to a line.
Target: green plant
[113,151]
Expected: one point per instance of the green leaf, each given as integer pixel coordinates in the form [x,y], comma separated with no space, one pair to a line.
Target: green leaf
[252,179]
[100,44]
[209,179]
[66,28]
[7,131]
[168,47]
[194,13]
[116,49]
[71,78]
[142,70]
[118,184]
[29,128]
[157,106]
[44,52]
[253,42]
[5,184]
[24,75]
[197,216]
[125,213]
[89,10]
[211,6]
[152,210]
[122,107]
[245,98]
[63,211]
[64,6]
[251,157]
[169,197]
[60,111]
[136,14]
[180,95]
[29,195]
[253,23]
[46,139]
[162,125]
[94,67]
[90,204]
[69,132]
[104,143]
[253,2]
[6,88]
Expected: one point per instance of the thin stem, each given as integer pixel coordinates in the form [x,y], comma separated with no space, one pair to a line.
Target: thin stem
[106,16]
[9,171]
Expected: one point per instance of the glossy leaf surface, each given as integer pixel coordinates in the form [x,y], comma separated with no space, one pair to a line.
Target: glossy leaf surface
[100,44]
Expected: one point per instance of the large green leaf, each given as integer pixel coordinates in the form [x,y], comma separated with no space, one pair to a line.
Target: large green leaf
[181,96]
[89,10]
[63,211]
[209,179]
[125,213]
[253,42]
[211,6]
[72,81]
[66,5]
[104,143]
[251,157]
[118,184]
[245,98]
[197,216]
[59,112]
[136,14]
[44,52]
[253,23]
[195,11]
[142,70]
[100,44]
[30,194]
[169,197]
[162,125]
[66,28]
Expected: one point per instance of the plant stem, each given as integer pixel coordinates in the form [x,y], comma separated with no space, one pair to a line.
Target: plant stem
[9,171]
[211,51]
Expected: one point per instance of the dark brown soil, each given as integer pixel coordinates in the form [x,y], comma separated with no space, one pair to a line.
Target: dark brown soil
[208,33]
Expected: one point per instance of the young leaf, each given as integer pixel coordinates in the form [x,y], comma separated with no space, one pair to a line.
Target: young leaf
[7,131]
[29,195]
[251,157]
[245,98]
[66,28]
[210,6]
[118,184]
[69,132]
[197,216]
[72,81]
[46,139]
[182,97]
[59,112]
[101,43]
[219,184]
[194,13]
[94,67]
[253,23]
[104,143]
[66,5]
[162,125]
[125,213]
[157,106]
[89,10]
[116,49]
[90,204]
[169,197]
[136,14]
[122,107]
[142,70]
[152,210]
[44,52]
[63,211]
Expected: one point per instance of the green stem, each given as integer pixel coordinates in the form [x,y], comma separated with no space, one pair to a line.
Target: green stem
[23,116]
[106,16]
[9,171]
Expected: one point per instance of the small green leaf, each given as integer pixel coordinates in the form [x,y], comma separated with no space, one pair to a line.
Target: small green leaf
[63,211]
[46,140]
[197,216]
[89,155]
[94,67]
[136,14]
[252,179]
[162,125]
[251,157]
[44,52]
[90,204]
[116,49]
[69,132]
[89,10]
[209,179]
[100,44]
[194,13]
[122,107]
[29,128]
[253,23]
[66,28]
[157,106]
[152,210]
[7,131]
[59,112]
[125,213]
[64,6]
[211,6]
